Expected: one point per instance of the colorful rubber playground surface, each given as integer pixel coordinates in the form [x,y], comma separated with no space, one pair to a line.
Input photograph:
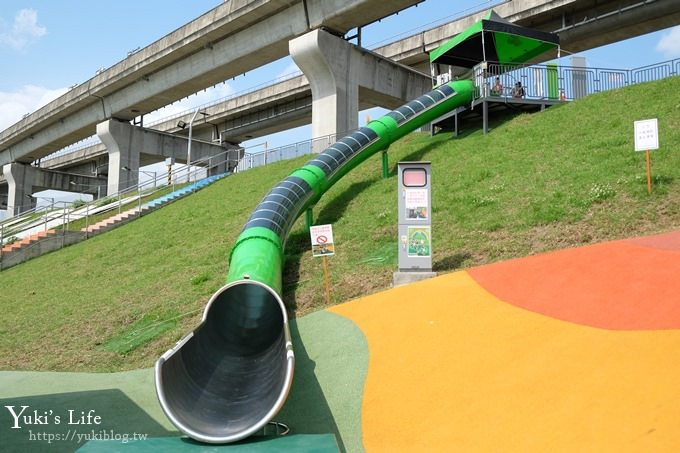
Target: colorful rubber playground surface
[567,351]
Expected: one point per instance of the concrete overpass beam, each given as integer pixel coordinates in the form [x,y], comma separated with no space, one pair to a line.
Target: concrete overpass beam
[339,71]
[23,180]
[129,145]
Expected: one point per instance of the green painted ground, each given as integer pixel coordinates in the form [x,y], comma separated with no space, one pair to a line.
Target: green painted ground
[331,362]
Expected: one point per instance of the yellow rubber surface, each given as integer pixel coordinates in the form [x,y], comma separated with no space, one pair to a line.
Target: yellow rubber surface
[453,368]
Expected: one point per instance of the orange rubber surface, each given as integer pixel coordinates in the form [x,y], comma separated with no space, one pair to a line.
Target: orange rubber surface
[568,351]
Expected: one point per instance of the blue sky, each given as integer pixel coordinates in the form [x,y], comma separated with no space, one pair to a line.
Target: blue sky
[47,46]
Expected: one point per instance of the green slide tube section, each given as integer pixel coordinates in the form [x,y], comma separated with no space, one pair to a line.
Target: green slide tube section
[229,377]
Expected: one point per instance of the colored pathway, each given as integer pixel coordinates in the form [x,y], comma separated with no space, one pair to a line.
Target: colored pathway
[566,351]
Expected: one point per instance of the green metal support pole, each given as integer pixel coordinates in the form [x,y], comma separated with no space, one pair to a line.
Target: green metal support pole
[309,218]
[385,164]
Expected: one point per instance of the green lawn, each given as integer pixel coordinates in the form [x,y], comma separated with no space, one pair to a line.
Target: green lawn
[561,178]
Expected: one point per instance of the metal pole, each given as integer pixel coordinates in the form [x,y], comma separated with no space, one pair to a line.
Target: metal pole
[385,165]
[87,219]
[2,242]
[309,218]
[51,209]
[63,227]
[191,126]
[485,117]
[326,280]
[649,172]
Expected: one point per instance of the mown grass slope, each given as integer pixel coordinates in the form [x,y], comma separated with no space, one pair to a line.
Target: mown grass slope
[561,178]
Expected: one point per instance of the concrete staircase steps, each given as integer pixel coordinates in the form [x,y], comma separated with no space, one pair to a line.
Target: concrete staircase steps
[14,246]
[73,237]
[183,191]
[109,223]
[123,217]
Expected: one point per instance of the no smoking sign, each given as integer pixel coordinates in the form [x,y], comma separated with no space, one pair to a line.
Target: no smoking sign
[322,240]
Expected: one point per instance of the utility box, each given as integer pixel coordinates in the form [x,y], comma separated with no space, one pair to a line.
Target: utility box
[415,217]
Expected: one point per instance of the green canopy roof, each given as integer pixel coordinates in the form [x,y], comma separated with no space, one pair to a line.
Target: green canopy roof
[494,39]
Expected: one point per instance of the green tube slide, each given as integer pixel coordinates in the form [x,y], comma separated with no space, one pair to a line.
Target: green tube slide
[225,380]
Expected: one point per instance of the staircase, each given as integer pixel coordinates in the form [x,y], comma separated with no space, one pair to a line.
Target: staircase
[111,222]
[14,246]
[124,217]
[45,241]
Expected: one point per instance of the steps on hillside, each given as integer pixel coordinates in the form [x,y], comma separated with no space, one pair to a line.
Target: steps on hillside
[111,222]
[124,217]
[50,240]
[14,246]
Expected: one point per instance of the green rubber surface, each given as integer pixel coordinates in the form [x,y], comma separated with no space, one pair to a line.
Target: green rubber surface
[331,356]
[308,443]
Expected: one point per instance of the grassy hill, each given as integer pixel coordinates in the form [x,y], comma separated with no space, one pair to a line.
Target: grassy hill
[561,178]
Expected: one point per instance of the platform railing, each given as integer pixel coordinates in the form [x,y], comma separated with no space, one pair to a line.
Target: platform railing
[552,81]
[269,156]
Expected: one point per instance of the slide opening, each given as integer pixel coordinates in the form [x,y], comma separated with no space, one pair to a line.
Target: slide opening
[230,376]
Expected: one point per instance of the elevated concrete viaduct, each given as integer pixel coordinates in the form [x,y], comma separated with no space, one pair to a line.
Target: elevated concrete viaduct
[231,39]
[245,116]
[129,145]
[582,24]
[127,90]
[24,180]
[337,69]
[114,166]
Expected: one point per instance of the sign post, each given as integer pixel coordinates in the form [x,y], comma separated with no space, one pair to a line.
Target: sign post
[647,139]
[323,246]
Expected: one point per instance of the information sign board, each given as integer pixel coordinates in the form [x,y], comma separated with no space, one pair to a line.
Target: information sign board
[646,135]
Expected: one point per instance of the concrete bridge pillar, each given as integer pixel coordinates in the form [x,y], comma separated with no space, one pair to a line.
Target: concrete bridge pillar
[20,180]
[325,61]
[342,76]
[23,180]
[3,196]
[116,136]
[130,145]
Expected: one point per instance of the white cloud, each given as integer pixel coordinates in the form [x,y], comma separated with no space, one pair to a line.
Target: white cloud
[669,44]
[13,106]
[24,30]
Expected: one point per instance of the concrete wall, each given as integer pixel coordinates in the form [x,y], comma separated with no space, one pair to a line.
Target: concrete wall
[45,245]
